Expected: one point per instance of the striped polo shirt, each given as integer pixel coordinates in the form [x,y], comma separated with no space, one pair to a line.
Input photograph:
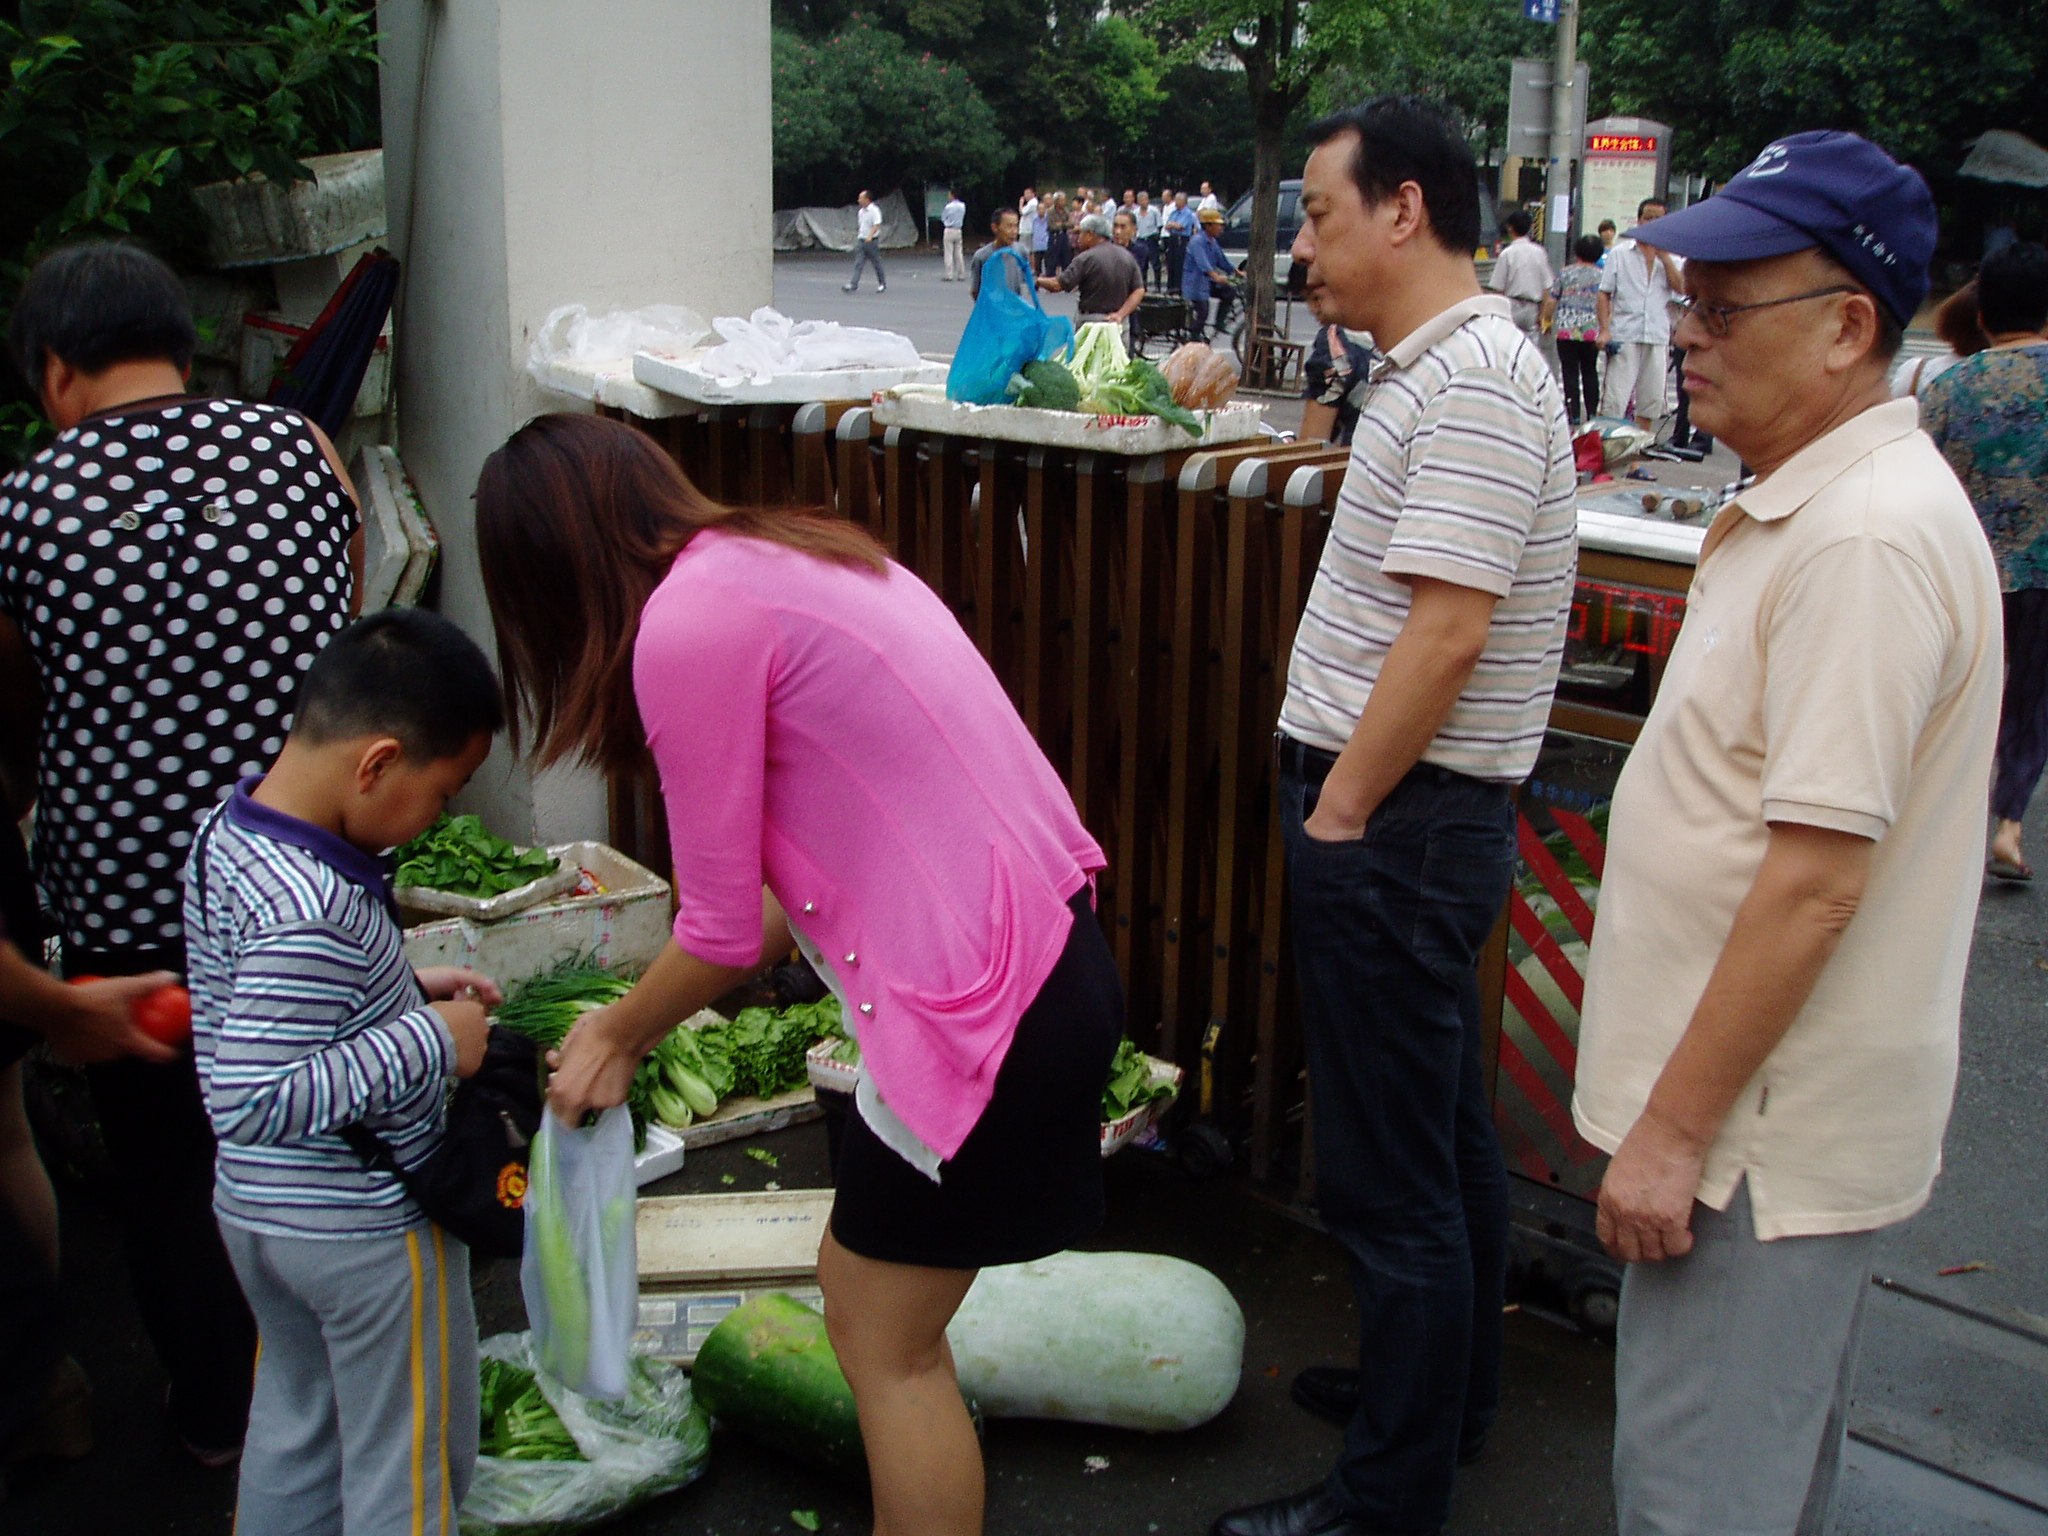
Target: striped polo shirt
[306,1017]
[1461,470]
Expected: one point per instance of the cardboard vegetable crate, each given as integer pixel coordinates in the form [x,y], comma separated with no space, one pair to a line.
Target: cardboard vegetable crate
[624,925]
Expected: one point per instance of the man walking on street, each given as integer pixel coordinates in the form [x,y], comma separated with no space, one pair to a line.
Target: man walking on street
[954,222]
[1637,286]
[1522,272]
[1416,700]
[867,244]
[1028,215]
[1769,1041]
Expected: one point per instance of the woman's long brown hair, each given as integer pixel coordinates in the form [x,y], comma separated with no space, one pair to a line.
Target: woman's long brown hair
[577,521]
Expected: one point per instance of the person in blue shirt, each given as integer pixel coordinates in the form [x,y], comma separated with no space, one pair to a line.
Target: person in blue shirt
[1204,268]
[1178,227]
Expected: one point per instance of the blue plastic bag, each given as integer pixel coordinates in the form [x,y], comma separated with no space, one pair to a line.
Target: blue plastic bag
[1004,332]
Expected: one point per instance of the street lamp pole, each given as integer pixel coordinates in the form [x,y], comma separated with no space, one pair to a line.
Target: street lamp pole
[1564,75]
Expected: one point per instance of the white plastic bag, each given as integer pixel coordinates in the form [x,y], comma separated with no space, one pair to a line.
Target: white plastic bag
[572,334]
[581,1270]
[768,342]
[655,1440]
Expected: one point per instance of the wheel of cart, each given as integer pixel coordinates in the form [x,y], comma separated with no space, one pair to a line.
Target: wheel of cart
[1160,318]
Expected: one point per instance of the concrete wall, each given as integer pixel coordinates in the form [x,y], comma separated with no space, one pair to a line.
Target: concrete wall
[614,155]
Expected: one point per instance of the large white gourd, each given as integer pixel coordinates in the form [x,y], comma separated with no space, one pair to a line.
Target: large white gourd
[1132,1340]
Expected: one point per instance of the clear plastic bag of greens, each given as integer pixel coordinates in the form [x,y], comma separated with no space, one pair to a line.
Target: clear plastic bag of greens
[653,1440]
[580,1272]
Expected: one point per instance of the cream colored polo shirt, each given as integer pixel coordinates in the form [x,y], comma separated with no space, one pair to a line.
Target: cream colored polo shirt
[1839,666]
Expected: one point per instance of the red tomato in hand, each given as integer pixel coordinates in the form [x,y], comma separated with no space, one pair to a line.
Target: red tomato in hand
[165,1015]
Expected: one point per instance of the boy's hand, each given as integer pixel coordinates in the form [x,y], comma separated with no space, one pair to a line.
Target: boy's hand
[443,982]
[472,1031]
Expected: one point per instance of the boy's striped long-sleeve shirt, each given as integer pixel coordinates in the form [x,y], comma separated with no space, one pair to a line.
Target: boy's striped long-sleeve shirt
[306,1019]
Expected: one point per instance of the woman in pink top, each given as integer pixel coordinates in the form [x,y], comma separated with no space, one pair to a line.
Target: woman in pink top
[840,768]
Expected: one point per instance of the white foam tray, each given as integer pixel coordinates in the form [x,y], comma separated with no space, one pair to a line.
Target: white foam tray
[682,377]
[1233,423]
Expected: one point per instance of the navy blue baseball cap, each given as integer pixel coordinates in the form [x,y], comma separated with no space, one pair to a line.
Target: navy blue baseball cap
[1827,189]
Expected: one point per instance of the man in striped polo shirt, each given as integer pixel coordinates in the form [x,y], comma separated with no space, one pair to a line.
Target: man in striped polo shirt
[1416,699]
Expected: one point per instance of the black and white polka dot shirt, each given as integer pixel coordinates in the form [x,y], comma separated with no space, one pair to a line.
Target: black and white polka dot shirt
[175,566]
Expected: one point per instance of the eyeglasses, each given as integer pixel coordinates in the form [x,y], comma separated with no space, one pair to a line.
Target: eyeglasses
[1715,317]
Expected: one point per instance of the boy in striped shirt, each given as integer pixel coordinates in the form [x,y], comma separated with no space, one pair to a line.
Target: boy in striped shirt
[307,1019]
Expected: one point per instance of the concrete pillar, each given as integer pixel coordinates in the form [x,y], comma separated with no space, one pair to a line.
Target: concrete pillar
[560,152]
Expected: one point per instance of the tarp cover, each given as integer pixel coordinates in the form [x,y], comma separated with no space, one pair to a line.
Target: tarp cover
[799,229]
[2002,155]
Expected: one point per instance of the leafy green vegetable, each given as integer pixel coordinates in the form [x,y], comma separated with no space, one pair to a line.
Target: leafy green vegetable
[1099,357]
[765,1049]
[1141,390]
[1047,385]
[807,1518]
[457,855]
[763,1155]
[552,1238]
[1130,1083]
[518,1423]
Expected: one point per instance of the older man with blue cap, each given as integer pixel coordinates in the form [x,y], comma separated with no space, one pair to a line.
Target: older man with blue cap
[1769,1037]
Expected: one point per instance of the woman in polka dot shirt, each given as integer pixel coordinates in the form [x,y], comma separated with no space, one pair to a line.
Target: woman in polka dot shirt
[169,566]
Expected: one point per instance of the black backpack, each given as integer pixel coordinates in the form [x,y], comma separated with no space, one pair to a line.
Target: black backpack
[473,1184]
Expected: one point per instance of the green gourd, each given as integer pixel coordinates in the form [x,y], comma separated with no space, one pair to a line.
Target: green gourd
[768,1370]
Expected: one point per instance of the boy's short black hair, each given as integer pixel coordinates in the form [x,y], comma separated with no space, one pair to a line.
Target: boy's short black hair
[1589,248]
[97,304]
[2012,288]
[1519,223]
[405,673]
[1404,138]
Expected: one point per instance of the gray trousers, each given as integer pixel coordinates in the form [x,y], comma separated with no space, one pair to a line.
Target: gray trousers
[868,253]
[364,1421]
[1732,1377]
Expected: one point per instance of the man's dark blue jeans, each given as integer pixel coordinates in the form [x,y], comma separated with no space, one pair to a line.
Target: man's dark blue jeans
[1409,1176]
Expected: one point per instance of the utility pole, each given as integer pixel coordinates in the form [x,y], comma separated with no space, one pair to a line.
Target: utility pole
[1564,78]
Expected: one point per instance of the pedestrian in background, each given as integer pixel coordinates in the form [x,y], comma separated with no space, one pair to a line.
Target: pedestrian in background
[1571,313]
[1522,272]
[1607,233]
[1059,243]
[953,221]
[1104,276]
[1206,273]
[1180,224]
[1002,237]
[1956,322]
[1208,202]
[1636,289]
[1146,244]
[1030,227]
[1417,698]
[867,243]
[1335,377]
[1774,993]
[1989,417]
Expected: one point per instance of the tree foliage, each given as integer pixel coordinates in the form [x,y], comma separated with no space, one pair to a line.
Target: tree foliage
[1920,77]
[113,109]
[859,107]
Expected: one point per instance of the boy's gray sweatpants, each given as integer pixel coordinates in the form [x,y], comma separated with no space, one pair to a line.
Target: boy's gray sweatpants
[364,1421]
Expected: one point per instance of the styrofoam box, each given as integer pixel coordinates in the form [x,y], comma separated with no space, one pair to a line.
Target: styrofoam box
[683,377]
[1233,423]
[624,926]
